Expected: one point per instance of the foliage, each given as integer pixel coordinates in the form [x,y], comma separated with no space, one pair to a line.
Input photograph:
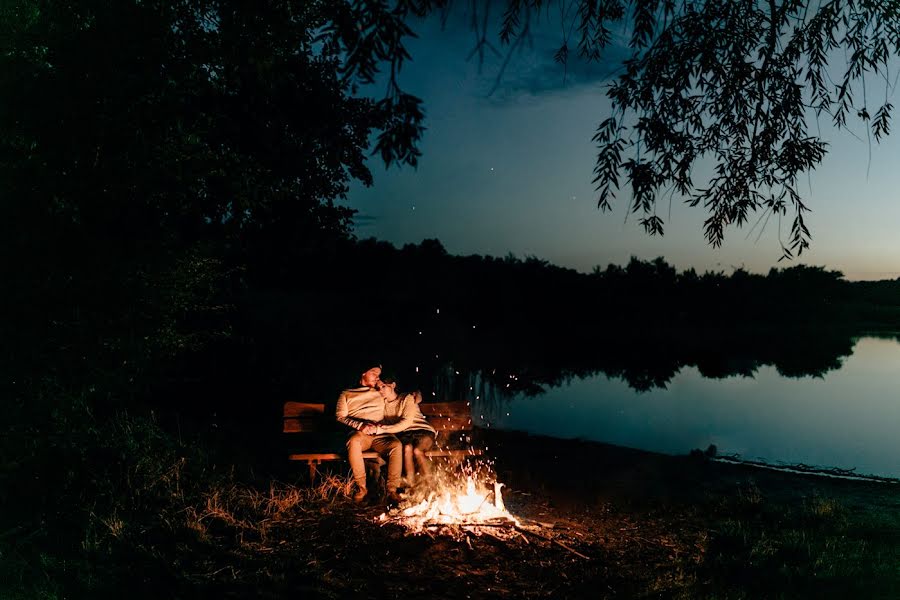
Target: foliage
[152,121]
[733,83]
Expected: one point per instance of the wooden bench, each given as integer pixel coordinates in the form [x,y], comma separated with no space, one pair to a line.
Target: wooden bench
[452,420]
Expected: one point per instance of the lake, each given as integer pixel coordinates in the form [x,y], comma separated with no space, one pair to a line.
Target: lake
[847,418]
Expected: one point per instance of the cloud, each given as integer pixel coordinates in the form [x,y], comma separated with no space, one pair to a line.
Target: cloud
[508,72]
[550,77]
[360,220]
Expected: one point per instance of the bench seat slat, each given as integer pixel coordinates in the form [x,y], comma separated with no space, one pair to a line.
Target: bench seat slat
[300,417]
[450,423]
[326,456]
[446,409]
[303,424]
[303,409]
[466,452]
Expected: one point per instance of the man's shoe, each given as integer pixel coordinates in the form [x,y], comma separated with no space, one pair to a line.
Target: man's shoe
[360,496]
[393,499]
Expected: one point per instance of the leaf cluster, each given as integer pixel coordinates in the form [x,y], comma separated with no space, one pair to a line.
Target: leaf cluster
[737,85]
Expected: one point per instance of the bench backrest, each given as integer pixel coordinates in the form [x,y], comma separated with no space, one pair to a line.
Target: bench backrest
[451,419]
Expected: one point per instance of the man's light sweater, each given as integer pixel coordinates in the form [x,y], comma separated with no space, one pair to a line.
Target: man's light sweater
[359,406]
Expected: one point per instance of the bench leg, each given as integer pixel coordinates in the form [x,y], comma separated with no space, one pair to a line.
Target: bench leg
[312,472]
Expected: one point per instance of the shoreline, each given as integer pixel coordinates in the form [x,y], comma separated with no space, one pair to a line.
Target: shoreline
[802,469]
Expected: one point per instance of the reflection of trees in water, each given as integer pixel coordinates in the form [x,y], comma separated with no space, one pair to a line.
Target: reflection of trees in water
[493,385]
[649,364]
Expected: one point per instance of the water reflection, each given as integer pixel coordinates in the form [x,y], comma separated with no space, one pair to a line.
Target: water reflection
[847,416]
[643,361]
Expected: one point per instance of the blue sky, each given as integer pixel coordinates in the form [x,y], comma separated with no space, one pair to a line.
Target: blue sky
[510,172]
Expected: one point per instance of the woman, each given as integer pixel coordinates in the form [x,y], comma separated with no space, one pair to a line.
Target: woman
[403,418]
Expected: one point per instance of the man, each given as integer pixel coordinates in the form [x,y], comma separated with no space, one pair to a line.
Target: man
[362,408]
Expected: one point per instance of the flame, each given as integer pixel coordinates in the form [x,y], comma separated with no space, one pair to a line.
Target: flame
[472,501]
[454,506]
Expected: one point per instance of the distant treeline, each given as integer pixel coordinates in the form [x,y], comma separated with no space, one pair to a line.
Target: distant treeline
[526,322]
[639,296]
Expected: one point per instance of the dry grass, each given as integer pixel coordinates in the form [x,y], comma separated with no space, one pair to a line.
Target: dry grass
[826,508]
[250,513]
[332,487]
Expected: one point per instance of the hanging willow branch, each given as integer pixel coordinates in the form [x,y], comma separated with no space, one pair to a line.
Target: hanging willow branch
[735,84]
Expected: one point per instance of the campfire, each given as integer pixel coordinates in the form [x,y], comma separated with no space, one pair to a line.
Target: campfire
[461,506]
[473,505]
[470,503]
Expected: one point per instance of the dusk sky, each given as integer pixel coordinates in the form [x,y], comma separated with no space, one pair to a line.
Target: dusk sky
[510,172]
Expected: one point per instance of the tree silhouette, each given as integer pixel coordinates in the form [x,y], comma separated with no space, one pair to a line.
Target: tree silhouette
[162,121]
[151,150]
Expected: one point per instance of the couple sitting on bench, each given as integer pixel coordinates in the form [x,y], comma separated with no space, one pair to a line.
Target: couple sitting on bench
[388,422]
